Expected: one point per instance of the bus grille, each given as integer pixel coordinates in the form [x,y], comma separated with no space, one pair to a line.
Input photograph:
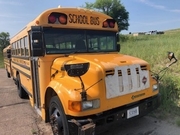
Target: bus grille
[111,72]
[126,79]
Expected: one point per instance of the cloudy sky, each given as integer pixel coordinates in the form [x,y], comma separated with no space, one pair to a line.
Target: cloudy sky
[144,15]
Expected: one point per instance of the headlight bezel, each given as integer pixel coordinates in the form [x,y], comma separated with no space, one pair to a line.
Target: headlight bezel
[79,106]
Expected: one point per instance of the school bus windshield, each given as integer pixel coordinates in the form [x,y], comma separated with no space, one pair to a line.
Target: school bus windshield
[63,41]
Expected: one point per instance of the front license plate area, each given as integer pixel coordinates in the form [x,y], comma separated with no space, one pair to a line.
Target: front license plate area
[132,112]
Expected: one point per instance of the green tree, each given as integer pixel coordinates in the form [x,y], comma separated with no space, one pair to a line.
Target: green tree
[113,8]
[88,5]
[4,40]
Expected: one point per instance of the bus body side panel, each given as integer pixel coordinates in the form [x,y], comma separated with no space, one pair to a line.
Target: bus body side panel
[7,60]
[43,67]
[7,65]
[22,67]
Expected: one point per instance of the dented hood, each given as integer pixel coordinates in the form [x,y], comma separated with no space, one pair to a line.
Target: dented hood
[107,60]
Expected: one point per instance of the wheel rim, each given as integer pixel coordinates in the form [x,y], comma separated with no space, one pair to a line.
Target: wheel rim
[56,122]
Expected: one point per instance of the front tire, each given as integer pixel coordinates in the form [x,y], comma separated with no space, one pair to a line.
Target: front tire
[57,117]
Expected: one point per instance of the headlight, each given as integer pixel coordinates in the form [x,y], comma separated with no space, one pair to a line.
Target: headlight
[90,104]
[155,87]
[78,106]
[87,104]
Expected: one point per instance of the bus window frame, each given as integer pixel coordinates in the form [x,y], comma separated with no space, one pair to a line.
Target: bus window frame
[85,35]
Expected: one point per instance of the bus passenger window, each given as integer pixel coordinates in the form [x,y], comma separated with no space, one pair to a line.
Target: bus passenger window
[19,47]
[26,46]
[22,46]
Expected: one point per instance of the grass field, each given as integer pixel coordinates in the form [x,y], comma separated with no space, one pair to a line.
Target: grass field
[153,49]
[1,60]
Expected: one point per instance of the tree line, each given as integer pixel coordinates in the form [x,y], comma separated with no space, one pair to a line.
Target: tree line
[113,8]
[4,40]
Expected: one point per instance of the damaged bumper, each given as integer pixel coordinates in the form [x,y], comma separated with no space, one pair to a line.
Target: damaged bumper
[94,124]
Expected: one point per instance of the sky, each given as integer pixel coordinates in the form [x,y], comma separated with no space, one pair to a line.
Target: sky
[144,15]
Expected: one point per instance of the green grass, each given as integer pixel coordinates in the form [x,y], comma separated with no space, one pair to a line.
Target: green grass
[1,60]
[153,49]
[178,122]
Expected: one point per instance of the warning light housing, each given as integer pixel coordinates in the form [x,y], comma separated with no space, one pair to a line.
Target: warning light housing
[57,18]
[109,23]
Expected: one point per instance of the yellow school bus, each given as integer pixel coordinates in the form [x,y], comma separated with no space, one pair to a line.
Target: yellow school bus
[7,60]
[67,62]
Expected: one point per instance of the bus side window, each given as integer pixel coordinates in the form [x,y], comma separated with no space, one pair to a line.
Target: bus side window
[19,47]
[12,48]
[26,47]
[16,48]
[22,46]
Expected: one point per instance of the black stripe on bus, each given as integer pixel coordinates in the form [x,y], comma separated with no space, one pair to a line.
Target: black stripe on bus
[22,72]
[21,57]
[21,65]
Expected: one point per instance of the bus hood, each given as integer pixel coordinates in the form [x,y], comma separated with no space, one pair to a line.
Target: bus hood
[121,74]
[106,60]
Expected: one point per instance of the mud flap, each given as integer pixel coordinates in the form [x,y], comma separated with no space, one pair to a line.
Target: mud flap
[81,127]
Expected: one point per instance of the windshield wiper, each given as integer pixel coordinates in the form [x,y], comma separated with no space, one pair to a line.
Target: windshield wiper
[73,52]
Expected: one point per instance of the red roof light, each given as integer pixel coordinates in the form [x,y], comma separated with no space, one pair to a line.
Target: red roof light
[63,19]
[52,19]
[57,18]
[105,24]
[111,24]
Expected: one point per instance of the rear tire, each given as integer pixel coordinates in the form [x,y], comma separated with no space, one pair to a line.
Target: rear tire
[57,117]
[21,92]
[8,74]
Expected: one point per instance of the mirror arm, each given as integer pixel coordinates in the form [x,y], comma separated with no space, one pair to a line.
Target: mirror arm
[83,93]
[157,77]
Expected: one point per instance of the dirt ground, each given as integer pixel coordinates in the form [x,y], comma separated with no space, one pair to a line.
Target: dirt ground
[17,117]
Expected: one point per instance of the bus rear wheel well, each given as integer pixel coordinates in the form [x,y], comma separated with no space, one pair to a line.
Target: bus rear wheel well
[49,94]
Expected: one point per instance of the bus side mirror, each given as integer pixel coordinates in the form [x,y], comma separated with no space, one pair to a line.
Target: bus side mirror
[118,47]
[8,53]
[37,47]
[36,35]
[171,56]
[9,56]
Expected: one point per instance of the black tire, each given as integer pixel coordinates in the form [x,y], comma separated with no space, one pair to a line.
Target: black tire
[21,92]
[57,117]
[8,74]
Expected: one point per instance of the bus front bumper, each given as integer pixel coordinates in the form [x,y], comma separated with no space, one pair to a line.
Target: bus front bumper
[99,123]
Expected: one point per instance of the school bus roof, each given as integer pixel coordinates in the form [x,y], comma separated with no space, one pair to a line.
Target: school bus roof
[88,20]
[42,19]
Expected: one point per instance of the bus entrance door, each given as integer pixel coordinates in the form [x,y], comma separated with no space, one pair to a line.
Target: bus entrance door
[35,83]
